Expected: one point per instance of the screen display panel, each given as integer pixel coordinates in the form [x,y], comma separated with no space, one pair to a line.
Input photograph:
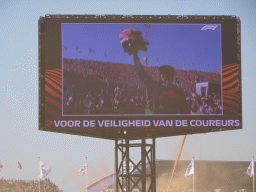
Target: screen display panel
[125,77]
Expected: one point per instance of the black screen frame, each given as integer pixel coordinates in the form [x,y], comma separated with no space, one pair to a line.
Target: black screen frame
[50,58]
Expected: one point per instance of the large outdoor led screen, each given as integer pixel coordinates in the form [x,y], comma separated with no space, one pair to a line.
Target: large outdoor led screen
[131,78]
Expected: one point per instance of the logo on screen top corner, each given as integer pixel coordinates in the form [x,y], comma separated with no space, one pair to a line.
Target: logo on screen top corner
[48,123]
[209,27]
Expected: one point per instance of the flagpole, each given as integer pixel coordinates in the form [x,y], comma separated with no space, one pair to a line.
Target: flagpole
[86,172]
[193,175]
[39,173]
[253,173]
[193,182]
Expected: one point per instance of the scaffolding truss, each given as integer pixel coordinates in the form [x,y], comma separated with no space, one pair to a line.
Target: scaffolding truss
[131,176]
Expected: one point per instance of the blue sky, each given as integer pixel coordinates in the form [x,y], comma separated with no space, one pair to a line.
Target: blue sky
[20,138]
[186,44]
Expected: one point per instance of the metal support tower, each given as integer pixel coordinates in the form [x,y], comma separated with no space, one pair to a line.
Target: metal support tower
[142,177]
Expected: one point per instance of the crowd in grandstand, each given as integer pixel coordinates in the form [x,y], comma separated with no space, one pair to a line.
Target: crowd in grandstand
[114,88]
[204,105]
[28,185]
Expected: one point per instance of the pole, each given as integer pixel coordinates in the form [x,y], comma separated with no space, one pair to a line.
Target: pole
[127,164]
[39,173]
[114,171]
[143,164]
[122,181]
[193,175]
[253,173]
[154,163]
[253,183]
[116,165]
[193,182]
[86,172]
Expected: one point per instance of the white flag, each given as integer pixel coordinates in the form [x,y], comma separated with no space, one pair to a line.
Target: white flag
[250,170]
[44,169]
[130,167]
[19,165]
[83,170]
[124,169]
[190,169]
